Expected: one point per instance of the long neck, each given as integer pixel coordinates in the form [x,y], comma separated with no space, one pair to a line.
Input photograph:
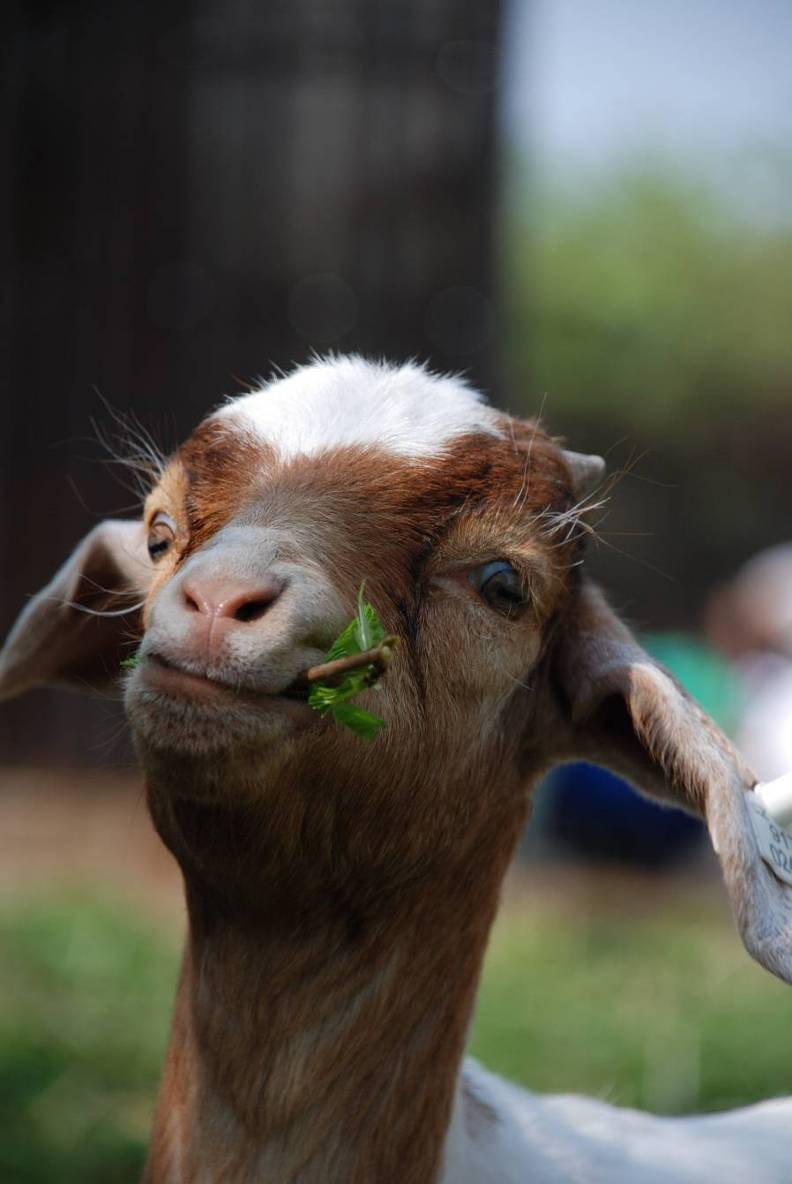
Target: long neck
[323,1049]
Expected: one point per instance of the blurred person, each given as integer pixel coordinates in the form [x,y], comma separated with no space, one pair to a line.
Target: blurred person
[749,620]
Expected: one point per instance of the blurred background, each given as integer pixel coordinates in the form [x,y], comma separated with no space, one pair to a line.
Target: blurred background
[585,205]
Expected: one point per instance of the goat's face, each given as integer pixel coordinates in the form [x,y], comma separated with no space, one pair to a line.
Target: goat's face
[461,521]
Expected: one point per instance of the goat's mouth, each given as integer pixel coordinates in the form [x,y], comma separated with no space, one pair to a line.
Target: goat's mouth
[189,714]
[163,676]
[191,711]
[374,662]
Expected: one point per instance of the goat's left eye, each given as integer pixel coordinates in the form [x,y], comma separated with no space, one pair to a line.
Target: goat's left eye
[161,535]
[501,587]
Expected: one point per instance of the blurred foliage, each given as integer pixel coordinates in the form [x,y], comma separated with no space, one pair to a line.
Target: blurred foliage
[668,1014]
[647,317]
[647,294]
[85,999]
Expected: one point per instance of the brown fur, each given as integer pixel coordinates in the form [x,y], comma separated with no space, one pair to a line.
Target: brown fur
[338,918]
[221,467]
[335,1049]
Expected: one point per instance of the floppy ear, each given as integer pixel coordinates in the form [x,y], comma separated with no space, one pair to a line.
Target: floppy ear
[77,629]
[624,711]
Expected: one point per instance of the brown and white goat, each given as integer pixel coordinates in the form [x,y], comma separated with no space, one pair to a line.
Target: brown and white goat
[340,894]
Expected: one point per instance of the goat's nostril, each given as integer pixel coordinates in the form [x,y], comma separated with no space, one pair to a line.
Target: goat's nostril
[251,610]
[192,602]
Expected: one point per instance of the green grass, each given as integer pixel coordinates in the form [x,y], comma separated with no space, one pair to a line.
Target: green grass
[85,997]
[665,1014]
[669,1014]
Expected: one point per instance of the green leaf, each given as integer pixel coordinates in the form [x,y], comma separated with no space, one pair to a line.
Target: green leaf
[364,632]
[130,663]
[370,630]
[345,644]
[324,697]
[361,722]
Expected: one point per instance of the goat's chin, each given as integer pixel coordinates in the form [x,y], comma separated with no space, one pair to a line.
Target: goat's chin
[204,728]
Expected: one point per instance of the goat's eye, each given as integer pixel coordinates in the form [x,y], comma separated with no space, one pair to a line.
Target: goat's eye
[501,587]
[161,535]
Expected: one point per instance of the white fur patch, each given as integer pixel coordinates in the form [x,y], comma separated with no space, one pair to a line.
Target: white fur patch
[345,401]
[562,1139]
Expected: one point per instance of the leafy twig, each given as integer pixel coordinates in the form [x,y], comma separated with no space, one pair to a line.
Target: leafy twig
[355,661]
[332,673]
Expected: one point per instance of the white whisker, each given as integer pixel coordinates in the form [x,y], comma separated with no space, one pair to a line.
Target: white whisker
[96,612]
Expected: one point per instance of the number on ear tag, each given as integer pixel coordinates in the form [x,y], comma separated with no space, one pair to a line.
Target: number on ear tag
[774,841]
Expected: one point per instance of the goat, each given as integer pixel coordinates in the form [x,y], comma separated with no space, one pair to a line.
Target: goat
[340,894]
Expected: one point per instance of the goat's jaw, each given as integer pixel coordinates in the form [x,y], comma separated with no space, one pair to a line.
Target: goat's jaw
[176,710]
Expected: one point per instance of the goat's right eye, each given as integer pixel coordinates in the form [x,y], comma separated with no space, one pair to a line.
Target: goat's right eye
[161,535]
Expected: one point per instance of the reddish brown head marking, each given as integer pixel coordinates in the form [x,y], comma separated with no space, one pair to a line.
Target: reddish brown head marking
[506,485]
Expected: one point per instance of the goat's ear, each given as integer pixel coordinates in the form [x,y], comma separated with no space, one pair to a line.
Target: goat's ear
[77,629]
[622,710]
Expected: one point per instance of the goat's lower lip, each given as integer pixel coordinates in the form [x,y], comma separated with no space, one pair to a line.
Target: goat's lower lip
[161,675]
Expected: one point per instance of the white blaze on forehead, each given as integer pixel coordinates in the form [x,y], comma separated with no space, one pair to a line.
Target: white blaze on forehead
[350,401]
